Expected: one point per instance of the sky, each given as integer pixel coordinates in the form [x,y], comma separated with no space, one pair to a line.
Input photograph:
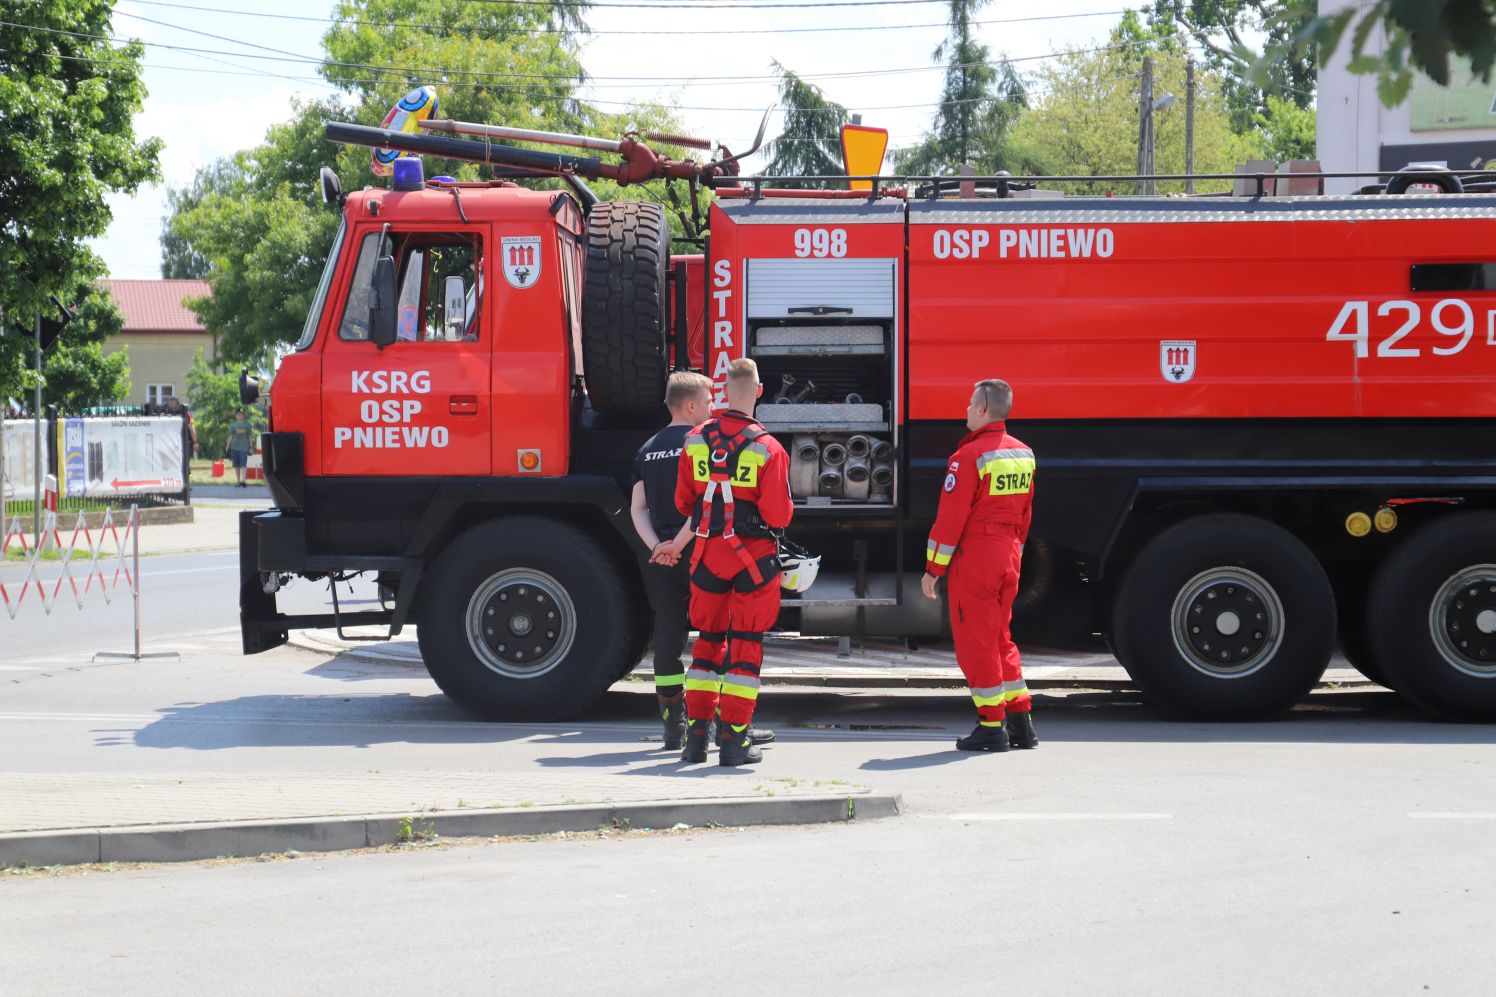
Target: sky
[205,105]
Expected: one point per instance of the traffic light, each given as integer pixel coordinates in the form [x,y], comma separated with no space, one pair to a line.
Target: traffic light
[51,328]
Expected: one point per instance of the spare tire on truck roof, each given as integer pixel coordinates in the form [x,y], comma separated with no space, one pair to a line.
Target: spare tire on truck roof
[625,307]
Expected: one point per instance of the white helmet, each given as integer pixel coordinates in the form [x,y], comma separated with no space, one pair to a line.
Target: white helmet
[797,568]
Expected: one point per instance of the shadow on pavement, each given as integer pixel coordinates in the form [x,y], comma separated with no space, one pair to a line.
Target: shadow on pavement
[946,757]
[627,714]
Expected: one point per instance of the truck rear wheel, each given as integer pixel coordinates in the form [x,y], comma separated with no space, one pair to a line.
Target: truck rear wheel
[524,619]
[1224,617]
[1433,617]
[625,307]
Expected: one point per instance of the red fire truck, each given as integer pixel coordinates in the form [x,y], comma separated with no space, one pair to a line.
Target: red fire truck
[1263,424]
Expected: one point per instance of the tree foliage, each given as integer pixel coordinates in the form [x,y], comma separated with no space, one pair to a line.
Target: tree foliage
[1421,36]
[67,100]
[809,143]
[1086,121]
[254,223]
[1220,27]
[980,101]
[82,374]
[214,399]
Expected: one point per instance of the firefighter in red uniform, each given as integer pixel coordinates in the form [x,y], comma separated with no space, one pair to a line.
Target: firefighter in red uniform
[977,543]
[734,484]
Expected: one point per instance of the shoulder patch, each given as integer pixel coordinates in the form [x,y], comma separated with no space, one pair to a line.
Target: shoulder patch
[950,482]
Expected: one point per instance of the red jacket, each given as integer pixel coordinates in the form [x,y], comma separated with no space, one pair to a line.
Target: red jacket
[761,476]
[990,480]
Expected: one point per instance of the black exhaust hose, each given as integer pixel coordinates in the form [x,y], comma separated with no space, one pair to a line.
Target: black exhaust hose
[456,148]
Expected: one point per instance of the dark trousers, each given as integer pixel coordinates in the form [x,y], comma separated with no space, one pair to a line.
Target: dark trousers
[670,588]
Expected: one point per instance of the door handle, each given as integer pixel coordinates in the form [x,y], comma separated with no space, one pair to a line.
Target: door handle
[463,405]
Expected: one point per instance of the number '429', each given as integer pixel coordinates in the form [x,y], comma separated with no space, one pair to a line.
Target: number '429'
[1452,318]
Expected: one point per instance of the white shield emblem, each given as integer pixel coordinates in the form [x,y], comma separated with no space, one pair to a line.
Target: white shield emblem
[521,260]
[1176,360]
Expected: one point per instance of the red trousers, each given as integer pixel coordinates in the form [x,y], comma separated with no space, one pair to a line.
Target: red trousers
[981,585]
[732,616]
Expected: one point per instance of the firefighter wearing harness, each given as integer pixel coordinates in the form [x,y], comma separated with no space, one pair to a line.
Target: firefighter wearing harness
[733,482]
[977,544]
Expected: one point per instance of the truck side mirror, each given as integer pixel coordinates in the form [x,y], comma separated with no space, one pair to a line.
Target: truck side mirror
[249,387]
[383,302]
[454,293]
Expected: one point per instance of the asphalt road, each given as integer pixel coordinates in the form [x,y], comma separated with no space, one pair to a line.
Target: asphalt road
[1344,849]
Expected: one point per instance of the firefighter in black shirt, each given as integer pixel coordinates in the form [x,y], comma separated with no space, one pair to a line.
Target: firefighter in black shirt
[667,534]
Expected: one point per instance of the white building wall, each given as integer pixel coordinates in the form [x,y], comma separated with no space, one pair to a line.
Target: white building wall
[1355,133]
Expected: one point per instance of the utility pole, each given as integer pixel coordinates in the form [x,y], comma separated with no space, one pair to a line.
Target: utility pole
[1189,124]
[36,457]
[1145,128]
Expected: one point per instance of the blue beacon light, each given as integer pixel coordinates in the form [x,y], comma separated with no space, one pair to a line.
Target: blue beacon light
[409,174]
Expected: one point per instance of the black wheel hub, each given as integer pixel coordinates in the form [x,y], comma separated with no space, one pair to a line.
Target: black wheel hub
[521,624]
[1470,621]
[1227,623]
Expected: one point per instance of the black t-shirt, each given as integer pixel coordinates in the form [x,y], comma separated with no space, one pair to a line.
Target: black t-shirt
[655,464]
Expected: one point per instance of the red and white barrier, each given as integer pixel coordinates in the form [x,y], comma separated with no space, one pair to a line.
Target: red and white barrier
[75,560]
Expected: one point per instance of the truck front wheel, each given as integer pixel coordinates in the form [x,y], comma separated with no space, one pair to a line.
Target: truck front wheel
[524,619]
[1433,617]
[1224,617]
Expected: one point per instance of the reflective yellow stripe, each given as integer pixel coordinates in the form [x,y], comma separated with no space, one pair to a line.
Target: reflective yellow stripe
[1013,694]
[741,691]
[664,681]
[701,457]
[996,700]
[703,685]
[990,723]
[1008,475]
[941,559]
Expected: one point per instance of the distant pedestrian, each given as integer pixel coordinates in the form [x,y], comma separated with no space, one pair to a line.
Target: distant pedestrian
[978,537]
[239,445]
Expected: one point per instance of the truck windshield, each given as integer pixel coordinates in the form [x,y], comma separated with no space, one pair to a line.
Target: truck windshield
[314,313]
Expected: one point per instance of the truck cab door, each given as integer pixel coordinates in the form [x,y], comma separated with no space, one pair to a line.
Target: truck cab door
[419,406]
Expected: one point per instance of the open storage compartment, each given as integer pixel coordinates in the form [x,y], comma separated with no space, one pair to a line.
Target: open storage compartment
[823,333]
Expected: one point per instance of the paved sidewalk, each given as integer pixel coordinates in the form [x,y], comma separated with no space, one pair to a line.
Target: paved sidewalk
[215,526]
[58,801]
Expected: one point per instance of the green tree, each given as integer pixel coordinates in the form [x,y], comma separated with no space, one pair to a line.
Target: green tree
[214,399]
[67,101]
[1287,130]
[1087,119]
[82,374]
[809,143]
[1220,27]
[255,226]
[254,223]
[979,103]
[1421,35]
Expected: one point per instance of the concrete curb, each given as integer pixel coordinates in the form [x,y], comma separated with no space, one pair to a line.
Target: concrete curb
[190,842]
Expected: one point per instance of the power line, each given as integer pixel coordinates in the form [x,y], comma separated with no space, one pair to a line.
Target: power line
[1028,92]
[457,29]
[408,73]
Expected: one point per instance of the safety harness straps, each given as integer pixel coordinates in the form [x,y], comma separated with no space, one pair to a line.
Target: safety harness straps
[725,458]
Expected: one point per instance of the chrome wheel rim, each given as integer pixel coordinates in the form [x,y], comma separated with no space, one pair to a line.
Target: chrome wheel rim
[521,623]
[1227,622]
[1462,620]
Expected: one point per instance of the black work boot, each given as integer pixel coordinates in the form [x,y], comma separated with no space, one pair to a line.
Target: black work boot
[758,735]
[984,739]
[673,716]
[1021,730]
[695,749]
[736,748]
